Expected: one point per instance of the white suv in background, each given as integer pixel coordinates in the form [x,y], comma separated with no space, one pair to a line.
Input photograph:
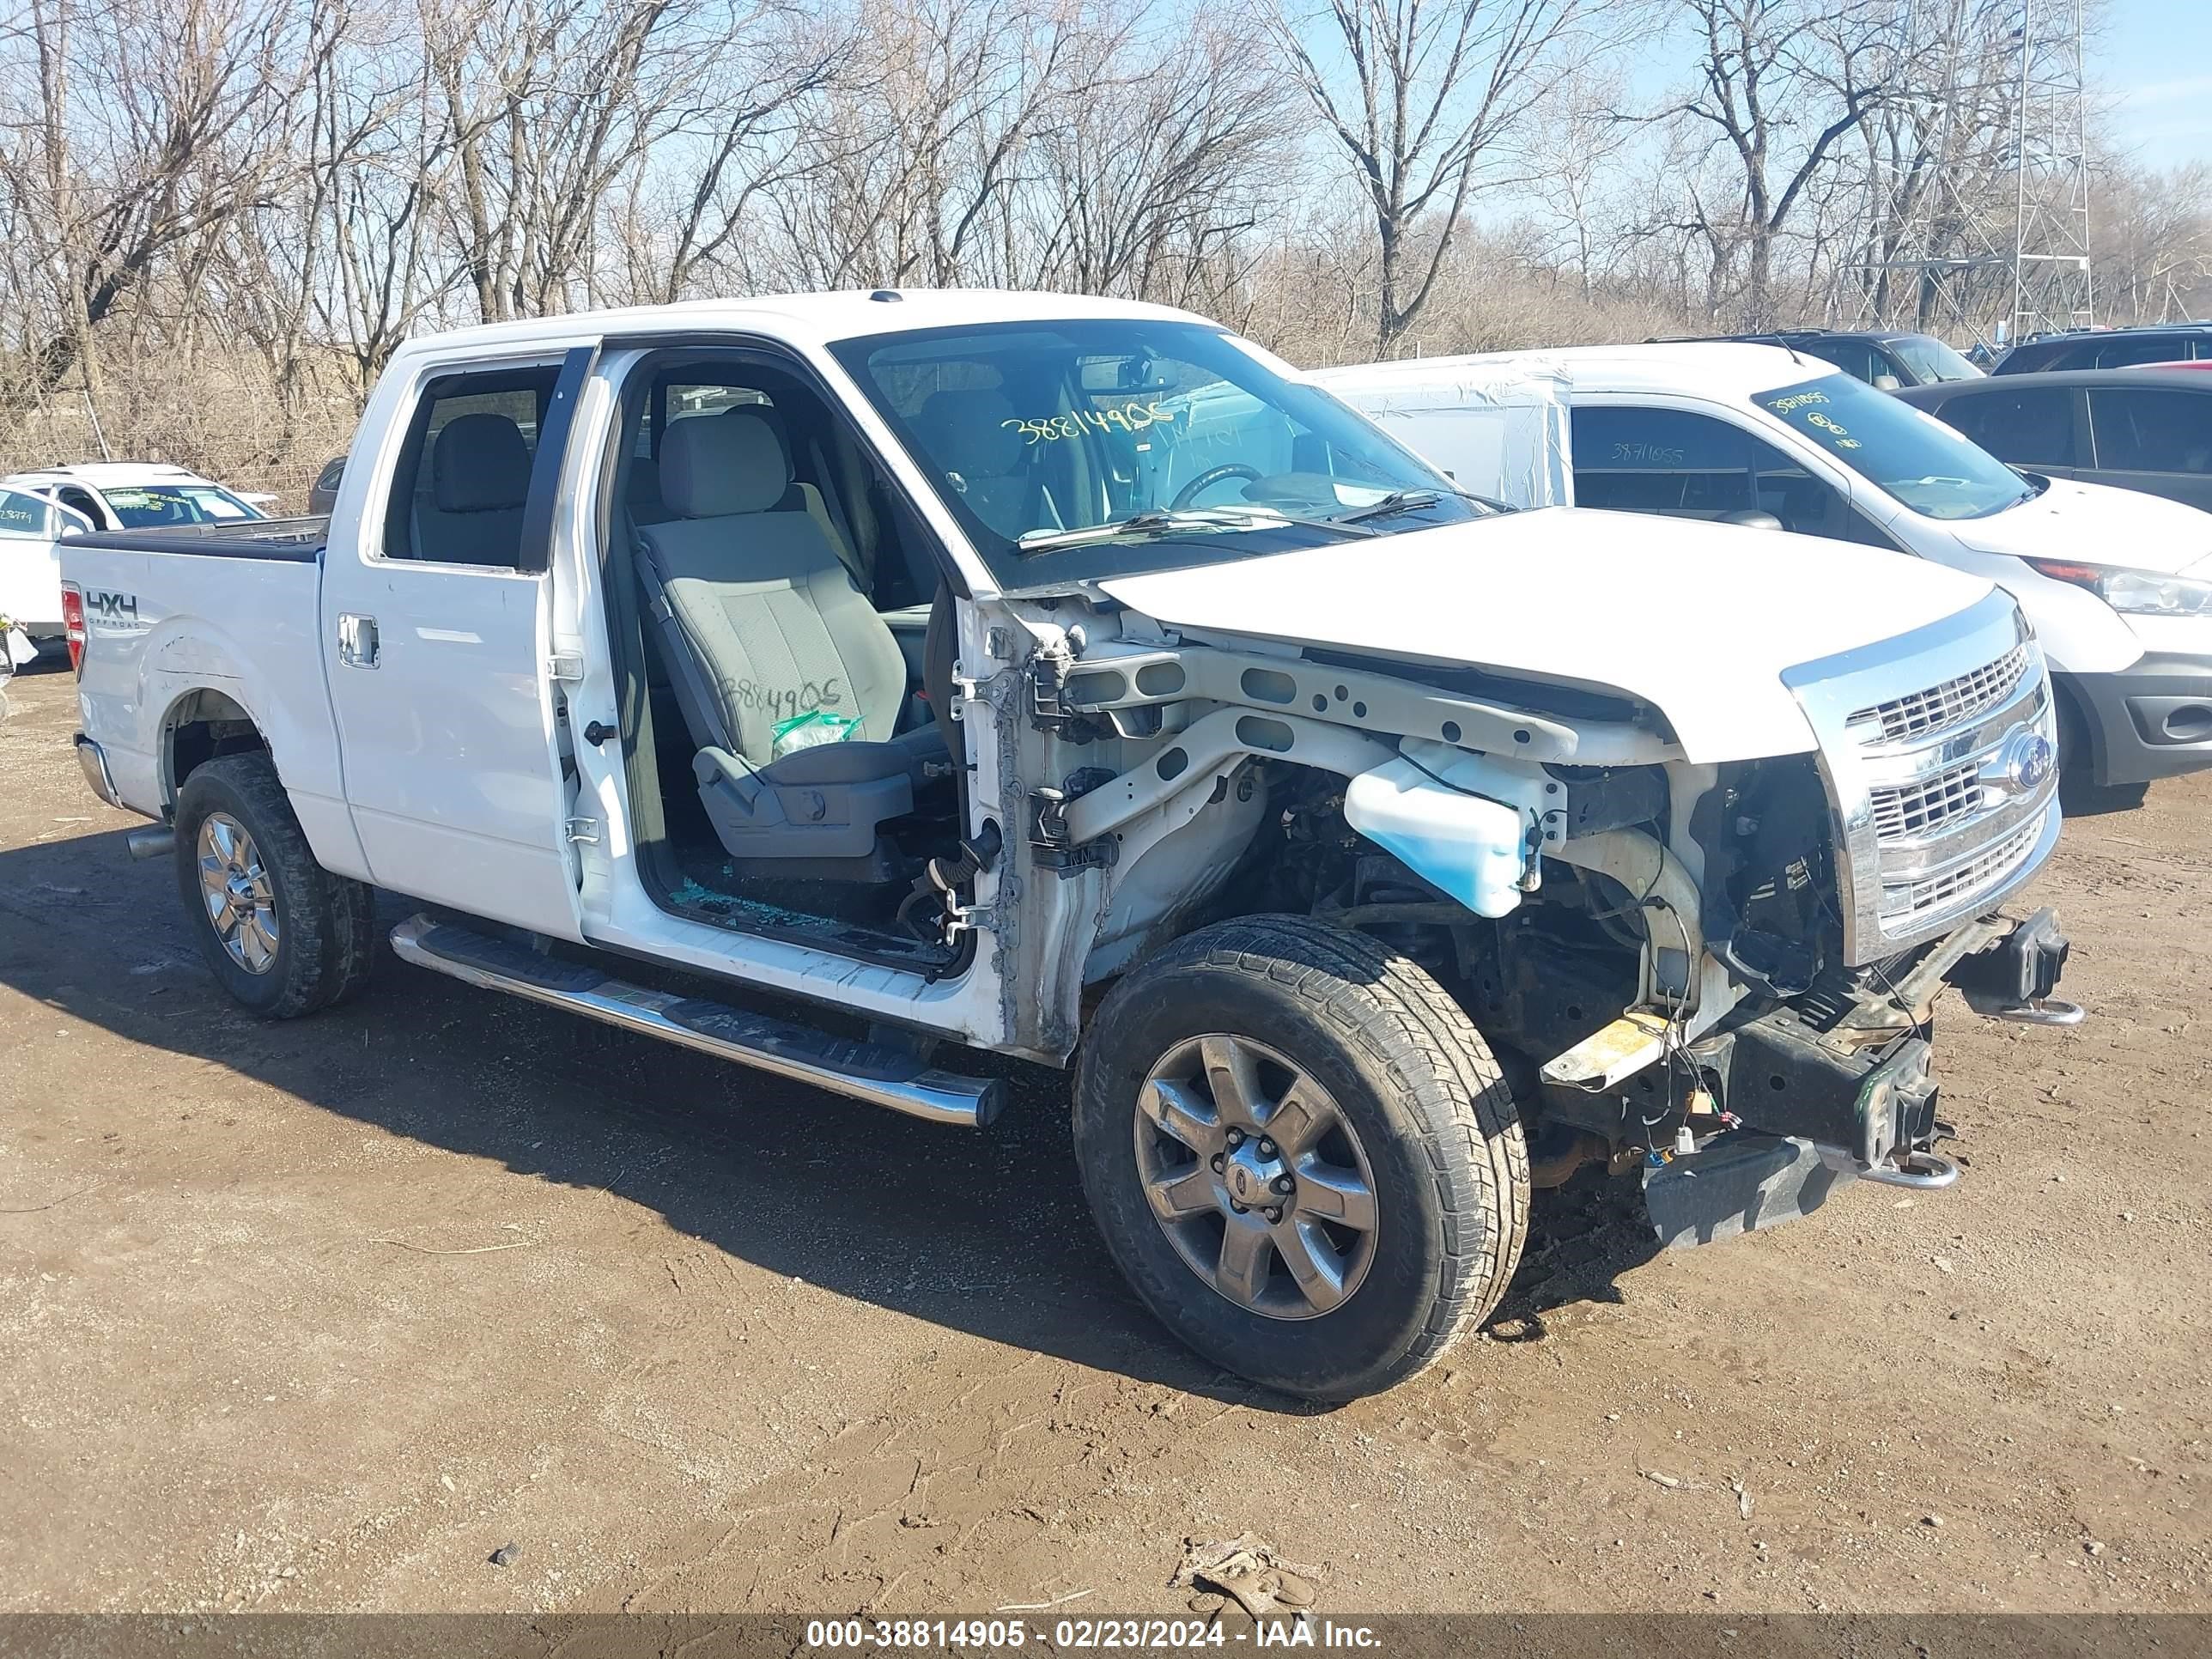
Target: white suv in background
[139,494]
[2117,584]
[31,526]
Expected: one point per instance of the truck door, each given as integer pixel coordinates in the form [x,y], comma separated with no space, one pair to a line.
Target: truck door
[435,618]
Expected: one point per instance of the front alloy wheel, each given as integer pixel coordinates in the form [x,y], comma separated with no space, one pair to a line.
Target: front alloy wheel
[1300,1153]
[1257,1179]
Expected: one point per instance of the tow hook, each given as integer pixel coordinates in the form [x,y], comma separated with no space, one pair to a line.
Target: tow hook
[2013,979]
[2036,1011]
[1926,1172]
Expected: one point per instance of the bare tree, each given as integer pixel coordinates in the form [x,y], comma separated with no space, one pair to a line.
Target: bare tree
[109,168]
[1780,85]
[695,194]
[1149,186]
[1417,95]
[1575,154]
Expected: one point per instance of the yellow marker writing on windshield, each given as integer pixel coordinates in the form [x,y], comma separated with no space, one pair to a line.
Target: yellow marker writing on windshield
[1134,416]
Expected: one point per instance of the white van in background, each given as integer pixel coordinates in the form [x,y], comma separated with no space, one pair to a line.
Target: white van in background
[2117,584]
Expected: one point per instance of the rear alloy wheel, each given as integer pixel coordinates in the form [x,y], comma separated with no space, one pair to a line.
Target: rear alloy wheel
[235,890]
[281,934]
[1300,1154]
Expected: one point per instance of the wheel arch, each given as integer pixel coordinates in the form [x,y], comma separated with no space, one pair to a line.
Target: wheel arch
[199,724]
[2076,722]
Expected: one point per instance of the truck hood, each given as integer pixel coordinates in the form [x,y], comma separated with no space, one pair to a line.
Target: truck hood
[1698,620]
[2094,524]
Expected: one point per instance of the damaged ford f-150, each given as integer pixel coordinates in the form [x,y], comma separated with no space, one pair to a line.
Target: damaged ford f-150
[835,684]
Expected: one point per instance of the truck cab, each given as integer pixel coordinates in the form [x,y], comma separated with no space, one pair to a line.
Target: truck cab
[903,673]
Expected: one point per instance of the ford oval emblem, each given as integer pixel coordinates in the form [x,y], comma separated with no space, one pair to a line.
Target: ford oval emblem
[2024,764]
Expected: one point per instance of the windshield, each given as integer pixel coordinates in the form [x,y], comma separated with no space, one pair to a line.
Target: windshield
[1931,360]
[1079,450]
[1914,457]
[152,507]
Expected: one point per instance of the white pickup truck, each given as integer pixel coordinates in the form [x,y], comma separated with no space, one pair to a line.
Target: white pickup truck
[903,673]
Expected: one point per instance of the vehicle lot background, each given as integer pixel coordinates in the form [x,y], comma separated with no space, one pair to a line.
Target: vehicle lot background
[318,1315]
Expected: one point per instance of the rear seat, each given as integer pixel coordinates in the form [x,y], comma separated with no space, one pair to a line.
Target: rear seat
[479,480]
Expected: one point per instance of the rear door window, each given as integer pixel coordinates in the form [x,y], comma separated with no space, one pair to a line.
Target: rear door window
[2030,428]
[463,474]
[2140,430]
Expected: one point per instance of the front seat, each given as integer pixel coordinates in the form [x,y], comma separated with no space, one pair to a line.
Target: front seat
[761,625]
[976,439]
[479,480]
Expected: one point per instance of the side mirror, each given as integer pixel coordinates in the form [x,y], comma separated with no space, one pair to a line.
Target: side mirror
[67,521]
[1753,518]
[1886,383]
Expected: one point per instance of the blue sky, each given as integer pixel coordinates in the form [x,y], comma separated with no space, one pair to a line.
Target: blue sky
[2155,65]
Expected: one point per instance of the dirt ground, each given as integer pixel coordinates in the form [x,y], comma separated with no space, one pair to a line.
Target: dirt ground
[321,1315]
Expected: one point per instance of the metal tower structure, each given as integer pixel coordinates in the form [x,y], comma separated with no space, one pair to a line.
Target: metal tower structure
[1977,215]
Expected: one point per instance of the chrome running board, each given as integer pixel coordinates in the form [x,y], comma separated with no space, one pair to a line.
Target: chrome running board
[875,1073]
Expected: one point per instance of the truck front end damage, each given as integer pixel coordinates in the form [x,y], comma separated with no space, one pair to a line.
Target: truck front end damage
[1722,974]
[1837,917]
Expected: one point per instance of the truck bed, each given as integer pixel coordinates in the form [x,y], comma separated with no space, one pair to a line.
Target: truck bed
[295,541]
[224,614]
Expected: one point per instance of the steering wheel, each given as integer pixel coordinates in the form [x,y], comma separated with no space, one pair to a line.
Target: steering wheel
[1205,480]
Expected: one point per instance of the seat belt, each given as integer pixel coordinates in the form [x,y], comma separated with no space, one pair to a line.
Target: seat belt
[701,708]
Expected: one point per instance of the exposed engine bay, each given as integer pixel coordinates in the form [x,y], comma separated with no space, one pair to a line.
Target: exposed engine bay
[1654,950]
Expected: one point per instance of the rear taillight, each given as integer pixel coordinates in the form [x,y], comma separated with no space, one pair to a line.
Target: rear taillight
[73,622]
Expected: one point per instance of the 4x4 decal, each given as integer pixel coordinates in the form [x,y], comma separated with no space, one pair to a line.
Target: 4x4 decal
[110,611]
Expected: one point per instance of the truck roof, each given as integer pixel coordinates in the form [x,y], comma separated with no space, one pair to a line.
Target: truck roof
[811,318]
[1723,369]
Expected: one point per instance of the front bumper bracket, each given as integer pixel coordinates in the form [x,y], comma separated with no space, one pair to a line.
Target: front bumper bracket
[2014,978]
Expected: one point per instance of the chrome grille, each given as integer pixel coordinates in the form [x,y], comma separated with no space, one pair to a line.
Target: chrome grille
[1937,750]
[1953,702]
[1964,882]
[1901,810]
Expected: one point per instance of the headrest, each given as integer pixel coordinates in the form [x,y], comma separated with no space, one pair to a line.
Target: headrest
[480,463]
[711,467]
[971,432]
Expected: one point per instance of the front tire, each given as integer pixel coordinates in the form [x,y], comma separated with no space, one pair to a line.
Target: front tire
[1301,1154]
[2079,794]
[283,935]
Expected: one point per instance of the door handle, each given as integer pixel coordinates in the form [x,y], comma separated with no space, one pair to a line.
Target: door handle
[356,641]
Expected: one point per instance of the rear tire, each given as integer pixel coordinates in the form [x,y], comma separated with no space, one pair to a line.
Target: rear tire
[283,935]
[1285,1012]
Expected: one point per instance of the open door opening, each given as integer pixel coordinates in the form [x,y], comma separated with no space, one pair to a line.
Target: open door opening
[781,617]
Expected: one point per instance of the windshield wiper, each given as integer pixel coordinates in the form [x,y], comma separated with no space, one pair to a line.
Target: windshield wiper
[1167,520]
[1411,501]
